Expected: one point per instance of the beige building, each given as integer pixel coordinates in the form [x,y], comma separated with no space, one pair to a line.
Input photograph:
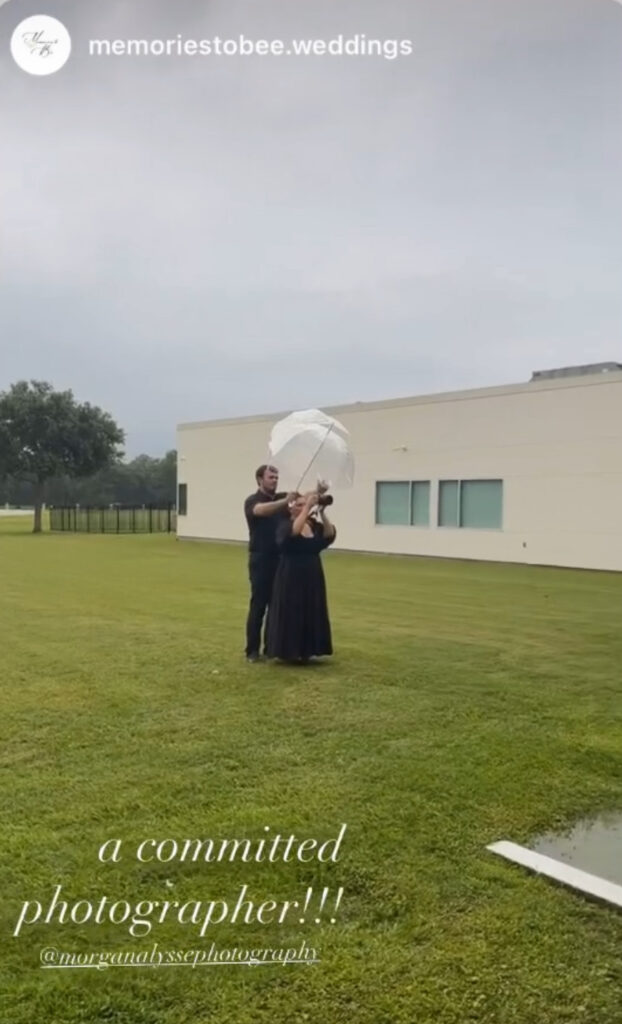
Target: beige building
[527,473]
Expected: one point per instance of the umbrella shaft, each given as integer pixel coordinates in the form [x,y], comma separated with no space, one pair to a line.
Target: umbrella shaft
[314,457]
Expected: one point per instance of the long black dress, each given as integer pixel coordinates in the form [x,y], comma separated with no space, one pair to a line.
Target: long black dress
[298,624]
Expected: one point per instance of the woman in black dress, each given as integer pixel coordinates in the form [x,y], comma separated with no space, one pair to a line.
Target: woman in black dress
[298,623]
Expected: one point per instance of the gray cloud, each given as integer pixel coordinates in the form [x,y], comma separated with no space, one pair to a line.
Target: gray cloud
[186,238]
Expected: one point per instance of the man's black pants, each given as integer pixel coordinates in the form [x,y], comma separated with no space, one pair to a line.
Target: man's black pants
[261,572]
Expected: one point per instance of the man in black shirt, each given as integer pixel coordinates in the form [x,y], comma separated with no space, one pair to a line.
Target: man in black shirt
[262,510]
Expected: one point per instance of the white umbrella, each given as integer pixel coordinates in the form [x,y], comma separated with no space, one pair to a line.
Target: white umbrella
[309,446]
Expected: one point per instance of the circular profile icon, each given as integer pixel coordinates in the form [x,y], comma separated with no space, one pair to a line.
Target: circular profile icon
[40,45]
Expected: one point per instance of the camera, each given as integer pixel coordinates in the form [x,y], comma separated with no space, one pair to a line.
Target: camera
[324,500]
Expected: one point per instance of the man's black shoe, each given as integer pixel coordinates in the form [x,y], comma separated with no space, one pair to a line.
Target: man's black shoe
[254,657]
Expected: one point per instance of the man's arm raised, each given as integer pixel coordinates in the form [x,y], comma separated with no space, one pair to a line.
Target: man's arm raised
[270,508]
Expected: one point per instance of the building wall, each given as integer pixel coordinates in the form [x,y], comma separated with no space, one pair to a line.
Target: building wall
[556,444]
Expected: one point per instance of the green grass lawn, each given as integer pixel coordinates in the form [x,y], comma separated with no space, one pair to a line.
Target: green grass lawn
[465,703]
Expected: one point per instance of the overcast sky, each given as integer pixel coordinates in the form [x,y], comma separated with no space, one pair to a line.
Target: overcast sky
[185,238]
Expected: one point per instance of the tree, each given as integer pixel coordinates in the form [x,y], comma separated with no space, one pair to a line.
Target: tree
[166,477]
[46,434]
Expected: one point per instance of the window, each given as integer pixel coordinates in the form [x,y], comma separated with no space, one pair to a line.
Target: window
[472,504]
[182,499]
[403,503]
[420,503]
[481,504]
[393,504]
[448,503]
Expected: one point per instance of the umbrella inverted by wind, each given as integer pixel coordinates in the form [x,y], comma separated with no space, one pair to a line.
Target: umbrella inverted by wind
[310,445]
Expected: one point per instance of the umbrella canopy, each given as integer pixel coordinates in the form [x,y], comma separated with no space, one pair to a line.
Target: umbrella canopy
[309,446]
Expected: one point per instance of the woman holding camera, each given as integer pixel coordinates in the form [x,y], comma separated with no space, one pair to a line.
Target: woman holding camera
[298,624]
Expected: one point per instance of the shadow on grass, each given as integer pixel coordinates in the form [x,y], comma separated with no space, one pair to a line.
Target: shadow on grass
[314,663]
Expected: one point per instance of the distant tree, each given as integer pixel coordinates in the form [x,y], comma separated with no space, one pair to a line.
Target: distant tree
[46,434]
[142,481]
[166,477]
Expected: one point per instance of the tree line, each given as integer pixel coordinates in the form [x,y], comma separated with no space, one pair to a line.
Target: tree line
[141,481]
[58,451]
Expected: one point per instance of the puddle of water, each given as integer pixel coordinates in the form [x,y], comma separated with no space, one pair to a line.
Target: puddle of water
[594,846]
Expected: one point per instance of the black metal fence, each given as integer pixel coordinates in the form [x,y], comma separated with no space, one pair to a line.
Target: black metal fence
[113,519]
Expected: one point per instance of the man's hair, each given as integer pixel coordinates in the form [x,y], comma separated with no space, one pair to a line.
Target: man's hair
[259,474]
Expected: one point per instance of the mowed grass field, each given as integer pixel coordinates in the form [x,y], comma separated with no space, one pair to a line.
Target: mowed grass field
[465,703]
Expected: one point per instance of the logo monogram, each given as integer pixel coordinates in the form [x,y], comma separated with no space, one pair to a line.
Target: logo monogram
[37,44]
